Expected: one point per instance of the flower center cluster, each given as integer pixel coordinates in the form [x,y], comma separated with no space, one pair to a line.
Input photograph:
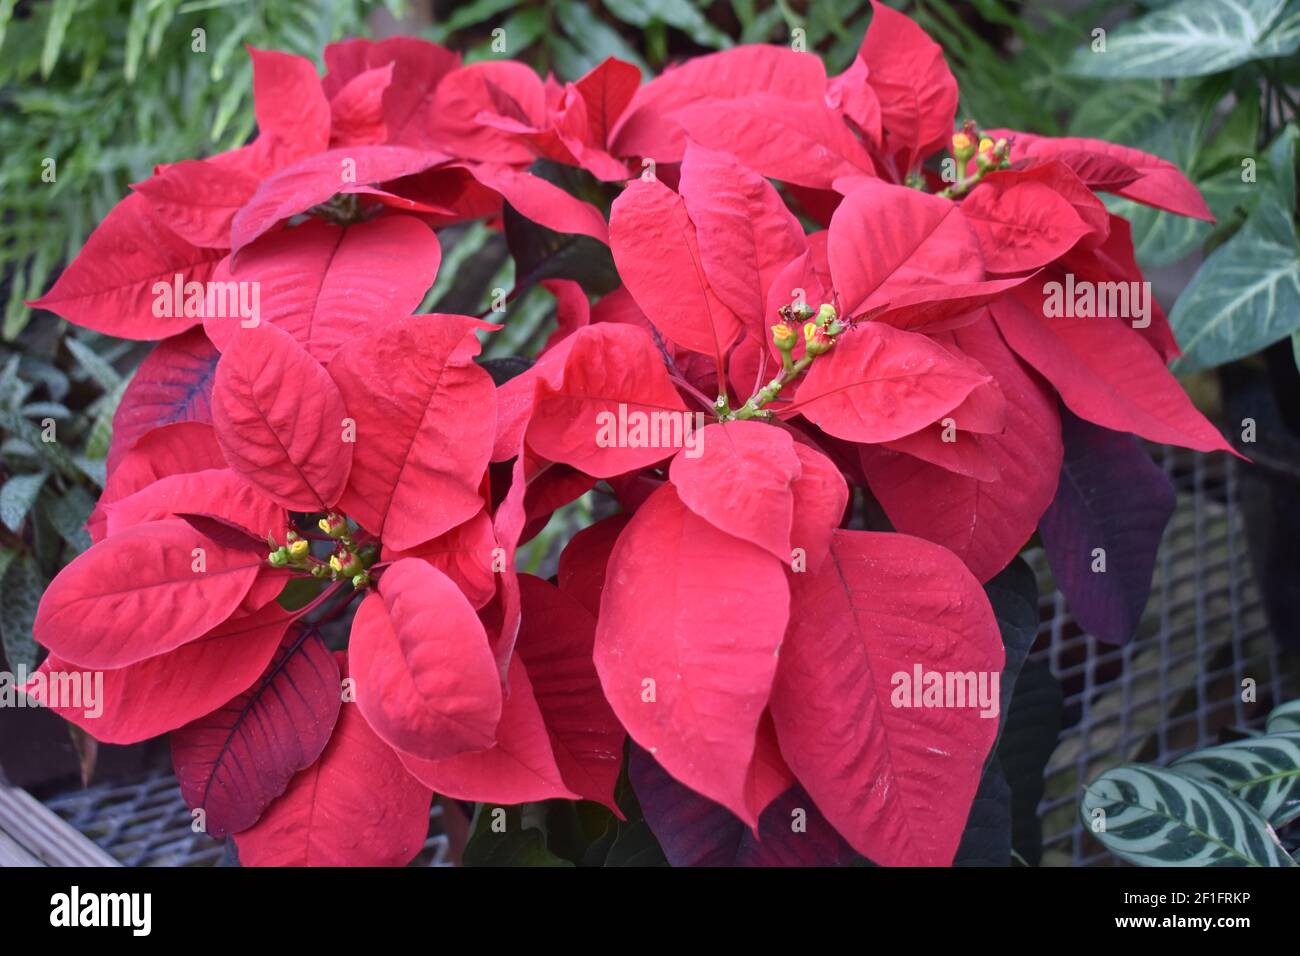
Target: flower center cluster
[350,558]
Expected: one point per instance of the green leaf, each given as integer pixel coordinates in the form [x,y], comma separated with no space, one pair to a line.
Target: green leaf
[1191,38]
[592,41]
[675,13]
[20,593]
[1283,37]
[542,253]
[635,845]
[1280,171]
[1284,719]
[473,13]
[1263,771]
[95,365]
[17,497]
[69,513]
[60,17]
[516,845]
[1245,296]
[1156,817]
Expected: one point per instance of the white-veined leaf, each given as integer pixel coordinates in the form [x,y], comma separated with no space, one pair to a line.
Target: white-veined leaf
[1193,38]
[1264,771]
[1157,817]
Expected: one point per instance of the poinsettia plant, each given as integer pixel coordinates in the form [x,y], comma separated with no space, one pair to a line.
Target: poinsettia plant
[856,356]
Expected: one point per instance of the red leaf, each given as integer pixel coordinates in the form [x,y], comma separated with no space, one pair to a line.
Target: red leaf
[572,310]
[1021,225]
[233,762]
[820,497]
[585,558]
[158,694]
[879,383]
[917,92]
[198,199]
[172,384]
[852,95]
[983,522]
[216,492]
[520,768]
[424,427]
[110,286]
[464,554]
[170,450]
[355,806]
[324,283]
[556,639]
[481,110]
[646,127]
[658,256]
[690,623]
[746,234]
[1104,372]
[279,419]
[357,109]
[793,140]
[1066,183]
[290,106]
[418,68]
[741,482]
[1106,166]
[612,382]
[896,781]
[917,310]
[542,202]
[425,676]
[886,241]
[313,180]
[607,89]
[142,593]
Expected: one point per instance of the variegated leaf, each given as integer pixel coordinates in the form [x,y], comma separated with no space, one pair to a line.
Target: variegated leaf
[1155,817]
[1263,771]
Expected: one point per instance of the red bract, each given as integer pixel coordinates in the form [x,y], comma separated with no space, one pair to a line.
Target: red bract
[821,445]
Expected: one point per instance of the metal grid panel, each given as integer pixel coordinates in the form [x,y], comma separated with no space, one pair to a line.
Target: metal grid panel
[1170,690]
[1178,683]
[144,822]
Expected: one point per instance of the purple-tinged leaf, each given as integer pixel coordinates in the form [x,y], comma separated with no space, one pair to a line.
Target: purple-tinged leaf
[695,831]
[236,760]
[173,384]
[1111,497]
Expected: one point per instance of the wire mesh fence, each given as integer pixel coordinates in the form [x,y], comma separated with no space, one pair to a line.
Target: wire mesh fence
[1175,687]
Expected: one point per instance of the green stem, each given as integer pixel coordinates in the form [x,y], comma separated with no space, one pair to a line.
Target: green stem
[754,407]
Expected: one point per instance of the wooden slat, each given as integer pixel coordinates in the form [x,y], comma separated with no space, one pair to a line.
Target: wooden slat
[32,835]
